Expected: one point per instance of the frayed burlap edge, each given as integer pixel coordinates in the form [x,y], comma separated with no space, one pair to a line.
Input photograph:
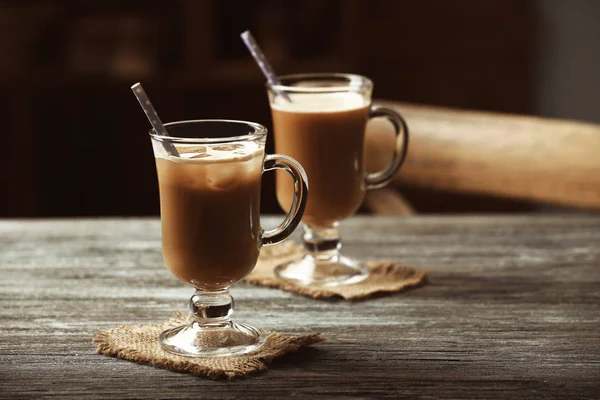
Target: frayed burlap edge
[386,277]
[276,345]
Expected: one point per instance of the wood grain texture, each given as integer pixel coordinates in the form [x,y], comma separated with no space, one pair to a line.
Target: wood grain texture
[539,159]
[512,311]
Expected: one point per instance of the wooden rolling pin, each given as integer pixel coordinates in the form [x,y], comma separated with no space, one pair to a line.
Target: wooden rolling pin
[545,160]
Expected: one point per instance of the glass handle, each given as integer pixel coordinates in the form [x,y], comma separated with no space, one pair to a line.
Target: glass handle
[292,219]
[381,178]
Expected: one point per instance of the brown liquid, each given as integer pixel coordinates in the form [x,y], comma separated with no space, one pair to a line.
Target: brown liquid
[210,219]
[329,145]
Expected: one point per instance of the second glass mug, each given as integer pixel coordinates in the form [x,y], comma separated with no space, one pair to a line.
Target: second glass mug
[320,121]
[209,175]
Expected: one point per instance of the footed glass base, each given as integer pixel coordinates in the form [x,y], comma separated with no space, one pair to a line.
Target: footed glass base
[327,272]
[211,333]
[213,340]
[323,265]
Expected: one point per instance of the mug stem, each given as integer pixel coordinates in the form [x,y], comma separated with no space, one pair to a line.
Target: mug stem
[322,243]
[211,308]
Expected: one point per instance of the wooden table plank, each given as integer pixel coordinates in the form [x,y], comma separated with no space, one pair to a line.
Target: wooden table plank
[513,310]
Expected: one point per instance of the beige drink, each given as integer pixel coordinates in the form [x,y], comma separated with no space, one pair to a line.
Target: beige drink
[210,204]
[325,133]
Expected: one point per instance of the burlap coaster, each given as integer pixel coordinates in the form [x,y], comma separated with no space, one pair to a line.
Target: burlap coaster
[139,343]
[385,277]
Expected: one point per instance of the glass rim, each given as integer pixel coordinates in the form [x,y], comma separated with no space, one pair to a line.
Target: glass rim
[350,78]
[259,132]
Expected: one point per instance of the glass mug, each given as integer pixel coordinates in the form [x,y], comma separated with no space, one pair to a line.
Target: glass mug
[209,176]
[320,121]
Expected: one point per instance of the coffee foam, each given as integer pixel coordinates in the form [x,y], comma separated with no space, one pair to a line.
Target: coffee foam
[210,153]
[320,102]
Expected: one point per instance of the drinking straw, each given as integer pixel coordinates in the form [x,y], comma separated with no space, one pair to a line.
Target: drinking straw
[262,62]
[153,117]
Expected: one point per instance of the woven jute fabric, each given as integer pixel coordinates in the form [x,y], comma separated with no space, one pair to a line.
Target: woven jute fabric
[139,343]
[385,277]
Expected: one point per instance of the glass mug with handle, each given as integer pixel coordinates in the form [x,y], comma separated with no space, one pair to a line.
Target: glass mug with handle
[320,121]
[209,176]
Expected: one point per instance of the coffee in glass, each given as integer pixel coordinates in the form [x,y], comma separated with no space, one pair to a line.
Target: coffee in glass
[320,120]
[211,234]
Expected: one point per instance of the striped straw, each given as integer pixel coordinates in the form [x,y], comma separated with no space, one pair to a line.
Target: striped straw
[153,117]
[262,62]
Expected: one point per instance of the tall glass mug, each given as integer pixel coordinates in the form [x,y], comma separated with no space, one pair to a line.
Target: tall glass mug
[320,120]
[209,176]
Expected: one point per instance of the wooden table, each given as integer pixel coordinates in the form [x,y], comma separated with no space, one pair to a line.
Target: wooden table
[513,310]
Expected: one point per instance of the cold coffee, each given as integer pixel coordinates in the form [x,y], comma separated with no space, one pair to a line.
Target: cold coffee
[325,133]
[210,209]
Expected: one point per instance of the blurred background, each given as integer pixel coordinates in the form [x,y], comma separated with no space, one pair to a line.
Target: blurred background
[75,140]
